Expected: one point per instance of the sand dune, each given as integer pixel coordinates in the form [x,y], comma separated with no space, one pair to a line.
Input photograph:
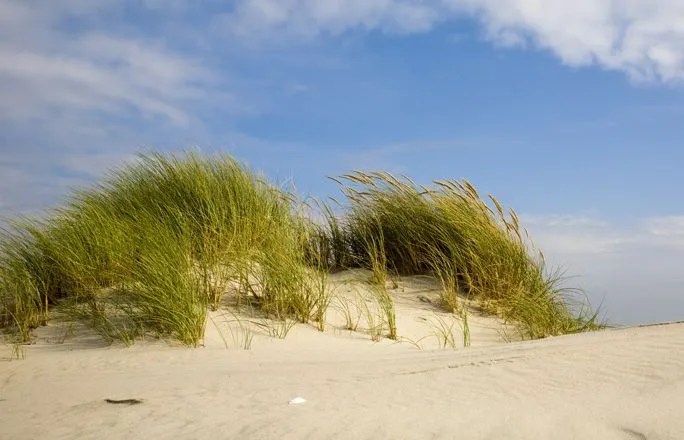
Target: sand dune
[613,384]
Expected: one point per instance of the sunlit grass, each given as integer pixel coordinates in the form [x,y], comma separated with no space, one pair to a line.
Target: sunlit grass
[474,248]
[152,246]
[159,242]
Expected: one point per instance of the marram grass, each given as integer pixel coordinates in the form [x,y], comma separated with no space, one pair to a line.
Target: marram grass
[160,241]
[474,248]
[154,245]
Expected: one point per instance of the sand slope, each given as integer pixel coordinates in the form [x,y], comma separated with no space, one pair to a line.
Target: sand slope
[613,384]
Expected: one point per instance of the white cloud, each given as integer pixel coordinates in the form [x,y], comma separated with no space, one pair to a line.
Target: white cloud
[643,38]
[82,89]
[90,71]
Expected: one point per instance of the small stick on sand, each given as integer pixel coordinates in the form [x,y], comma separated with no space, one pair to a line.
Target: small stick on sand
[124,401]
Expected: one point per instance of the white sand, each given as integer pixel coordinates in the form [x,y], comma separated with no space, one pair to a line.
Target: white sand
[613,384]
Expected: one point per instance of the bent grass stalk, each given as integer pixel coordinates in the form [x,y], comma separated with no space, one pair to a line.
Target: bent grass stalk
[323,297]
[242,336]
[466,328]
[276,328]
[375,321]
[18,351]
[345,306]
[443,331]
[378,262]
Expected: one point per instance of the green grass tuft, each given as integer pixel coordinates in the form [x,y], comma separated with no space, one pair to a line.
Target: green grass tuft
[474,248]
[152,246]
[158,242]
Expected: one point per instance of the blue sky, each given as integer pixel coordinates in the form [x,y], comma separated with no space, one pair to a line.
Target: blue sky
[569,112]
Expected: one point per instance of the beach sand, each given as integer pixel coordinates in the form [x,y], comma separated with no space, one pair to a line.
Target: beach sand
[612,384]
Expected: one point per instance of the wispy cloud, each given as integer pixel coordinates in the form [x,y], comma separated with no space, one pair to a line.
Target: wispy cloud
[586,234]
[635,270]
[64,68]
[666,233]
[310,18]
[643,38]
[81,91]
[563,235]
[667,227]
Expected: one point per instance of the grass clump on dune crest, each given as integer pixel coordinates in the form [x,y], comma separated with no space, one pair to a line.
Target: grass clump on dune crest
[154,245]
[474,248]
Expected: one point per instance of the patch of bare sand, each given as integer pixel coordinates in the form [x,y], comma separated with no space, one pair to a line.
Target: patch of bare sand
[613,384]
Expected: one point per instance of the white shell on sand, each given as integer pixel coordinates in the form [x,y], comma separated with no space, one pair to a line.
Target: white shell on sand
[296,401]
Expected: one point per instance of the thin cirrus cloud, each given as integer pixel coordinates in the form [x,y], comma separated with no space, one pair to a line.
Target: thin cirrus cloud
[77,87]
[668,230]
[52,66]
[588,235]
[311,18]
[571,235]
[98,73]
[633,270]
[642,38]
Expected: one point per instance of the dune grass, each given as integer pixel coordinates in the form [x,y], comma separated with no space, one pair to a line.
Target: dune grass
[152,246]
[159,242]
[474,248]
